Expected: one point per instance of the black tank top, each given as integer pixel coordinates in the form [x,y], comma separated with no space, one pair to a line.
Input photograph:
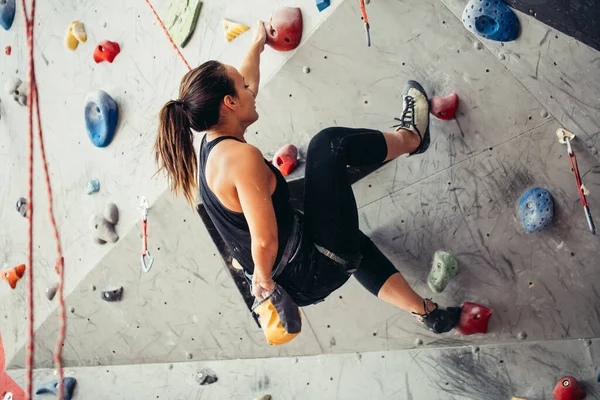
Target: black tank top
[231,225]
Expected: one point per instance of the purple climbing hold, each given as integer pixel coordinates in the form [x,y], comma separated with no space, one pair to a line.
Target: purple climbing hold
[536,209]
[491,19]
[7,13]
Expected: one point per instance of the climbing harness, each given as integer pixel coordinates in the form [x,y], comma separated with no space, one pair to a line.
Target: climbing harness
[565,137]
[366,20]
[147,259]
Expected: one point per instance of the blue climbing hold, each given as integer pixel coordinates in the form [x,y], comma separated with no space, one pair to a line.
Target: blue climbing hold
[491,19]
[52,387]
[7,13]
[92,186]
[536,209]
[322,4]
[101,115]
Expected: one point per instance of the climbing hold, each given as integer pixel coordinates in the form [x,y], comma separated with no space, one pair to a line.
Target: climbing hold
[106,51]
[13,275]
[188,355]
[233,29]
[284,29]
[306,70]
[52,387]
[418,342]
[75,35]
[568,388]
[22,206]
[518,398]
[322,4]
[522,335]
[502,57]
[51,292]
[104,226]
[478,45]
[492,20]
[286,159]
[17,89]
[473,319]
[236,264]
[181,19]
[112,295]
[444,267]
[206,377]
[101,116]
[544,114]
[7,13]
[444,107]
[8,50]
[536,209]
[8,396]
[264,397]
[92,186]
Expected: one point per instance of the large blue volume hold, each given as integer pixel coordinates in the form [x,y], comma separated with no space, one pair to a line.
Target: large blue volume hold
[101,116]
[536,209]
[322,4]
[491,19]
[7,13]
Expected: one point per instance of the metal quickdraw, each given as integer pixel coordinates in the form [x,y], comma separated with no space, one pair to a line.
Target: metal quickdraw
[147,259]
[565,137]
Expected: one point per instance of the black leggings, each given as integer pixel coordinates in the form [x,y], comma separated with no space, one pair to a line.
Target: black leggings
[330,211]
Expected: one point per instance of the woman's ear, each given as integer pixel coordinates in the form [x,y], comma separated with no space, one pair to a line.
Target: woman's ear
[230,102]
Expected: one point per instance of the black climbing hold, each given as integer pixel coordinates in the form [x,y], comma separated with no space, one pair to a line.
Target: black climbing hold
[206,377]
[113,295]
[22,206]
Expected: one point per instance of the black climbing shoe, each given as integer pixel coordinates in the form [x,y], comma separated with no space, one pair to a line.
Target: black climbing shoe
[439,320]
[415,114]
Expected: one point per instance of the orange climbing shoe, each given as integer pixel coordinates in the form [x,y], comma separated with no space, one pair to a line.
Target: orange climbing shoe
[13,275]
[415,114]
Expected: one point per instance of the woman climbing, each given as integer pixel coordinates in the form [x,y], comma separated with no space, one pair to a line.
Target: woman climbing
[311,254]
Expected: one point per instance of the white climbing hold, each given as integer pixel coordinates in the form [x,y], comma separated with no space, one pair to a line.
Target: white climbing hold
[17,89]
[306,70]
[419,342]
[544,114]
[478,45]
[522,335]
[51,292]
[188,355]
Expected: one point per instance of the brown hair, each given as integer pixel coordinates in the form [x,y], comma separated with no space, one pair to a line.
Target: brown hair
[200,96]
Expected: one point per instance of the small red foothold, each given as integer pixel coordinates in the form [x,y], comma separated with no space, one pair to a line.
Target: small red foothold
[7,50]
[106,51]
[568,388]
[444,107]
[13,275]
[286,159]
[473,319]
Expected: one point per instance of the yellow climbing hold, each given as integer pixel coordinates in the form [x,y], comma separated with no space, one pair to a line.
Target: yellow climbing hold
[233,29]
[518,398]
[75,35]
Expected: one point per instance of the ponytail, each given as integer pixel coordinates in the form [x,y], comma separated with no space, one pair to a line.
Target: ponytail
[174,149]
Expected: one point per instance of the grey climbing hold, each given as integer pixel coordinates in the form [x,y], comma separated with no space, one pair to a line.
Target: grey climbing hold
[17,89]
[588,343]
[104,226]
[112,295]
[92,186]
[475,349]
[544,114]
[206,377]
[92,287]
[358,356]
[52,387]
[502,57]
[22,206]
[72,310]
[51,292]
[188,355]
[522,335]
[170,366]
[306,70]
[478,45]
[419,342]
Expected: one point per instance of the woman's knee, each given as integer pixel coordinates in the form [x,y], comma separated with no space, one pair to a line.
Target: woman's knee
[330,138]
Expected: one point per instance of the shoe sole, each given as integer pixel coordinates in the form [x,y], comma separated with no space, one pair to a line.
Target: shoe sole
[426,139]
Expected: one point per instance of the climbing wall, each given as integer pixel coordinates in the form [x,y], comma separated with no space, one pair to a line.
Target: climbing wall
[460,196]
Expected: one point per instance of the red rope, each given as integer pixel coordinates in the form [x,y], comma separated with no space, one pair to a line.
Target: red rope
[363,10]
[169,36]
[34,101]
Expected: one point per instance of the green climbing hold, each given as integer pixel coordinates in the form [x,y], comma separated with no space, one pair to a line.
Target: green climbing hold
[443,268]
[181,19]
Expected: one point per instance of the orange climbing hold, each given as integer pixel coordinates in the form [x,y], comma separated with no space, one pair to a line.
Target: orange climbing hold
[13,275]
[444,107]
[106,51]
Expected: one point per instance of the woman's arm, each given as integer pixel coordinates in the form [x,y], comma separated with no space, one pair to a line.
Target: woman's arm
[250,68]
[251,178]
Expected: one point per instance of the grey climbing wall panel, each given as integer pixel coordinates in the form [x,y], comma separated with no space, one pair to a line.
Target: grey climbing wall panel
[528,370]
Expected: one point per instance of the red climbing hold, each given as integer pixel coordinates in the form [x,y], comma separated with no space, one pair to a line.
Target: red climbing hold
[444,107]
[13,275]
[106,51]
[284,30]
[286,159]
[7,50]
[568,388]
[473,319]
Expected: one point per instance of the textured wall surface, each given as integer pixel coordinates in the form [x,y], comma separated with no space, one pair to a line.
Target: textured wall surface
[460,196]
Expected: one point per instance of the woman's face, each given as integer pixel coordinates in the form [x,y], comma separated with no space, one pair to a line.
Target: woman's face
[245,109]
